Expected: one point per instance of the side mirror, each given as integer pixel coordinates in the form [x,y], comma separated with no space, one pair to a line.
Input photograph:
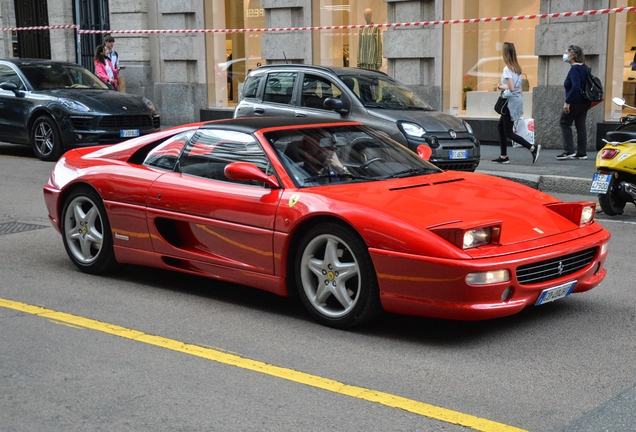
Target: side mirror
[249,172]
[618,101]
[337,105]
[11,86]
[424,152]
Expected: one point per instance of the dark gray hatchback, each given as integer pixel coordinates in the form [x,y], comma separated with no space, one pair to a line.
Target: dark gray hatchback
[370,97]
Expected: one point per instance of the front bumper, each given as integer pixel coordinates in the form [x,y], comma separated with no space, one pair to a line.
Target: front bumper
[437,288]
[460,154]
[87,130]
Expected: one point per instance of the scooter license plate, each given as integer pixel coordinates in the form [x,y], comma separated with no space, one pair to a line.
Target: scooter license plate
[600,183]
[459,154]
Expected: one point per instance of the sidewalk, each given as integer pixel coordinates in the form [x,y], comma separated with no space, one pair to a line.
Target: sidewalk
[549,174]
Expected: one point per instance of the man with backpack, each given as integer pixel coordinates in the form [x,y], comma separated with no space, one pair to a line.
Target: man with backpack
[576,104]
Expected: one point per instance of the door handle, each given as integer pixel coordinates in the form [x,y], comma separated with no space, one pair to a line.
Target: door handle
[259,111]
[300,115]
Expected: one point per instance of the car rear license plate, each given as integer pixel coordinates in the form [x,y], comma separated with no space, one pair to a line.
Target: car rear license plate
[459,154]
[600,183]
[127,133]
[552,294]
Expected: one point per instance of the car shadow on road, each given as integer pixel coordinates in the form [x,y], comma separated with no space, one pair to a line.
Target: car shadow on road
[434,332]
[16,150]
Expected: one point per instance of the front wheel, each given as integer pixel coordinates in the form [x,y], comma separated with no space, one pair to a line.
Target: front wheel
[86,232]
[335,276]
[45,139]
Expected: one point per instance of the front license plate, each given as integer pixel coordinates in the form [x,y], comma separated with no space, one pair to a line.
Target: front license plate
[552,294]
[127,133]
[459,154]
[600,183]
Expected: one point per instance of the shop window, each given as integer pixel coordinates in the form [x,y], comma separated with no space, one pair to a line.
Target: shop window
[473,54]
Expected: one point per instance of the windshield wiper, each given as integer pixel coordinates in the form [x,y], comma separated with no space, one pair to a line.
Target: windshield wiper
[374,105]
[407,172]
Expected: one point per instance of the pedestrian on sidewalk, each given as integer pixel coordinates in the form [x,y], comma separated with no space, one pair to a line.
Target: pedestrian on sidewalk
[511,85]
[103,66]
[575,107]
[109,41]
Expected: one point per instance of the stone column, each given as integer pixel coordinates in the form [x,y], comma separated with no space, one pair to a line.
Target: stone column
[133,49]
[552,37]
[7,19]
[292,47]
[62,41]
[414,55]
[178,70]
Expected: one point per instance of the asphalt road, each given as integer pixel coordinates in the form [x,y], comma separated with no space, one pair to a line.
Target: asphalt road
[565,366]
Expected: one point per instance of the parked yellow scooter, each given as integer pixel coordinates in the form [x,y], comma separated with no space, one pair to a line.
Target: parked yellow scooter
[615,179]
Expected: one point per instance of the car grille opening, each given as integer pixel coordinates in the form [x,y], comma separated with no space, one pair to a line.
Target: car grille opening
[555,268]
[126,122]
[82,122]
[156,122]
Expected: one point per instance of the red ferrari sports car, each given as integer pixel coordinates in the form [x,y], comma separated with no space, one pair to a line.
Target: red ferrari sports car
[334,211]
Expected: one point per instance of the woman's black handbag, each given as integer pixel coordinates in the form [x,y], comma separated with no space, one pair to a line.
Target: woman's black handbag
[501,106]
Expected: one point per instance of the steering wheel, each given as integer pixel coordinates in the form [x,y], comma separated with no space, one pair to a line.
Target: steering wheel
[370,161]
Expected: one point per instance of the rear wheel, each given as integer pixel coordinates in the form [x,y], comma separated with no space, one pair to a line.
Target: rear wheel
[86,232]
[611,203]
[45,139]
[335,276]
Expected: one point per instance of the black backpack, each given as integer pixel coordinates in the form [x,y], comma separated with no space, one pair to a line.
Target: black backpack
[593,91]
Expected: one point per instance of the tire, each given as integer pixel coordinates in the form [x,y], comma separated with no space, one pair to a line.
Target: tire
[86,232]
[611,203]
[335,277]
[45,139]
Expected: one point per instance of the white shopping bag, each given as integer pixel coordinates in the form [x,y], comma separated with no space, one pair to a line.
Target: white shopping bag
[525,128]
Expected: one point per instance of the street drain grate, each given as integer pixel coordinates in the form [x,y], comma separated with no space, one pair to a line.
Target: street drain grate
[17,227]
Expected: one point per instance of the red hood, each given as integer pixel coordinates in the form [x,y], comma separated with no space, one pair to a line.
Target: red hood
[439,199]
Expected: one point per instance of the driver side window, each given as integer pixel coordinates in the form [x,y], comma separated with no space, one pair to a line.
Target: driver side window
[210,151]
[315,90]
[7,74]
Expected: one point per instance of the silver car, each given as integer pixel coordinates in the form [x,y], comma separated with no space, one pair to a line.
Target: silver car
[367,96]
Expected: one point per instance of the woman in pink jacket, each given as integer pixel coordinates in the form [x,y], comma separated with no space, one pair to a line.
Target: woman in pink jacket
[103,67]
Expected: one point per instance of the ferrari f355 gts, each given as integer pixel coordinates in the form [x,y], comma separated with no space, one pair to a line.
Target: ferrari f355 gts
[335,212]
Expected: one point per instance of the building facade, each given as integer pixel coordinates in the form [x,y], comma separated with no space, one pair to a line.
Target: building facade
[453,67]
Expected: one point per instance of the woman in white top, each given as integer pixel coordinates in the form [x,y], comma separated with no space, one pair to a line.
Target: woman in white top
[511,85]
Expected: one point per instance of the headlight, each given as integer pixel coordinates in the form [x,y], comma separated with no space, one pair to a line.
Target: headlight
[604,249]
[477,237]
[76,106]
[149,103]
[468,127]
[413,130]
[469,238]
[489,277]
[579,213]
[587,214]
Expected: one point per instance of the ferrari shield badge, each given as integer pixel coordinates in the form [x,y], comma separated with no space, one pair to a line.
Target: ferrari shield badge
[293,200]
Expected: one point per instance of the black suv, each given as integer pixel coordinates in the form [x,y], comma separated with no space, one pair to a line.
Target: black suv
[367,96]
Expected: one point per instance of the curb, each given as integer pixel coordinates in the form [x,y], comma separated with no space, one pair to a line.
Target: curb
[549,183]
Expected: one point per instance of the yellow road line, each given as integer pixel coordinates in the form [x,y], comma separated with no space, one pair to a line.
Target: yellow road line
[387,399]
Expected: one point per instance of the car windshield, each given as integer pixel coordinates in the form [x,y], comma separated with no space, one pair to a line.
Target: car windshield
[378,91]
[326,155]
[60,76]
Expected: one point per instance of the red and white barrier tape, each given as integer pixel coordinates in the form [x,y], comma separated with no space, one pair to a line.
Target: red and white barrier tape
[343,27]
[54,27]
